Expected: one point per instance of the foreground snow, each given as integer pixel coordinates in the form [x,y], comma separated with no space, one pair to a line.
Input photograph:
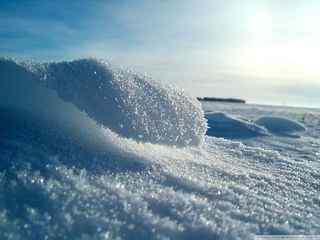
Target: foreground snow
[66,177]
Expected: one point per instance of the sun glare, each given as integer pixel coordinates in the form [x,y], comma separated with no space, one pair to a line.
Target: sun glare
[259,26]
[267,57]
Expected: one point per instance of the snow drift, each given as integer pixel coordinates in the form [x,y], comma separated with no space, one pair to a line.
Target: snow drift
[278,125]
[226,126]
[68,172]
[131,105]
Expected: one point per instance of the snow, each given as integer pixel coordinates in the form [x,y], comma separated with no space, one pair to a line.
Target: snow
[130,105]
[230,127]
[280,125]
[65,173]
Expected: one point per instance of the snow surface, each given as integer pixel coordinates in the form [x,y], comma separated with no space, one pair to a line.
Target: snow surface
[65,176]
[128,104]
[280,125]
[227,126]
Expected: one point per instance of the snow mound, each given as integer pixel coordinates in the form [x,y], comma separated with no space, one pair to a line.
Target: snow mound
[226,126]
[130,105]
[280,125]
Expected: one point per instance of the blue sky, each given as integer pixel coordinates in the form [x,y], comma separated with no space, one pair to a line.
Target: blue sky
[265,51]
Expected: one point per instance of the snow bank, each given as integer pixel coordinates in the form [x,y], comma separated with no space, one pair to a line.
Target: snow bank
[226,126]
[53,187]
[280,125]
[131,105]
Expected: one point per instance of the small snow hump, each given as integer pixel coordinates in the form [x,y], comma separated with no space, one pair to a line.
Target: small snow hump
[281,126]
[230,127]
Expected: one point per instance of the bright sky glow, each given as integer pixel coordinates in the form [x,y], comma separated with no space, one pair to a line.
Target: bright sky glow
[263,51]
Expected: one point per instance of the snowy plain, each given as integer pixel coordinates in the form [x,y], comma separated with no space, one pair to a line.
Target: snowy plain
[72,168]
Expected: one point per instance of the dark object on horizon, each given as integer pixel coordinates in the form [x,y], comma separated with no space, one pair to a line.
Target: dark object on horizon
[214,99]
